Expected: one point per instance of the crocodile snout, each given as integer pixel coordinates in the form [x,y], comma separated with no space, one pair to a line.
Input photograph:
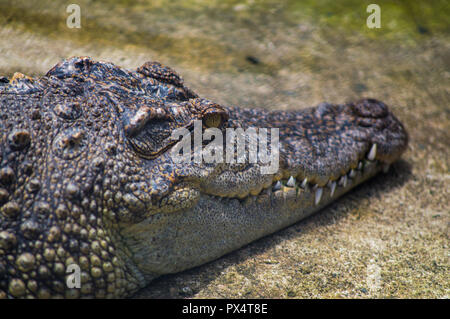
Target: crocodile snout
[385,130]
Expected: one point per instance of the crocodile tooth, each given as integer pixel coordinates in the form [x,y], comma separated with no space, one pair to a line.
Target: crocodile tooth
[372,153]
[360,165]
[291,182]
[304,183]
[386,168]
[277,186]
[352,173]
[343,181]
[318,196]
[333,188]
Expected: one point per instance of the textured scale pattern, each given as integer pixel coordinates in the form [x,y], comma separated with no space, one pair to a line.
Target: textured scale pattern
[86,177]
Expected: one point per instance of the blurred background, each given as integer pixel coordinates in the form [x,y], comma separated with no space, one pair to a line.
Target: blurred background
[289,55]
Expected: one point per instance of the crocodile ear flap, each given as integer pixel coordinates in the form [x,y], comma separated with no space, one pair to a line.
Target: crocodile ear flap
[161,73]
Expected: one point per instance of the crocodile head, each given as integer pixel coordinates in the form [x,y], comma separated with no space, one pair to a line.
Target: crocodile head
[89,178]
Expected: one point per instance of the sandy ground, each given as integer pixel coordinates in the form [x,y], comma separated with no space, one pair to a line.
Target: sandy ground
[388,238]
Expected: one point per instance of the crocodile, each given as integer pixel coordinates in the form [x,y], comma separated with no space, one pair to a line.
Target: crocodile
[88,185]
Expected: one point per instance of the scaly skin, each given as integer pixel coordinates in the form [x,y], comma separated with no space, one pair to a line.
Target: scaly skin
[86,176]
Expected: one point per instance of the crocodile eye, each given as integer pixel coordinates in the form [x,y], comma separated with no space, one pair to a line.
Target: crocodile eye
[213,120]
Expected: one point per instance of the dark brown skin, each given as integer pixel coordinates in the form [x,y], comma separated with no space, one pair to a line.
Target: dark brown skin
[86,177]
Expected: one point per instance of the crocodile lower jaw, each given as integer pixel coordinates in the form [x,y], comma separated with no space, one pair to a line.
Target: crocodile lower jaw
[209,226]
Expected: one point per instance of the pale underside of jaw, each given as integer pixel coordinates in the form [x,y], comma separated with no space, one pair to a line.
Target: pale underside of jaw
[291,185]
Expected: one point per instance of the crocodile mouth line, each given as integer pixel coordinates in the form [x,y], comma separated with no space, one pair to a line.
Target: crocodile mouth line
[299,185]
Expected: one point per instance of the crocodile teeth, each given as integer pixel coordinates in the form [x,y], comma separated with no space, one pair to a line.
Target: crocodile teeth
[277,186]
[360,165]
[318,196]
[372,153]
[333,188]
[291,182]
[343,181]
[304,183]
[352,173]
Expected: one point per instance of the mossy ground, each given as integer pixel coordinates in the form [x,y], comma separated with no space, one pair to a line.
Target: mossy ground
[387,238]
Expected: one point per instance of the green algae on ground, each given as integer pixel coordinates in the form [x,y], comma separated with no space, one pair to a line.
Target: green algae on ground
[200,52]
[154,24]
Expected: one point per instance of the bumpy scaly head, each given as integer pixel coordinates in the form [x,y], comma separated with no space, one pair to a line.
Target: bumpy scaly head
[87,176]
[82,151]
